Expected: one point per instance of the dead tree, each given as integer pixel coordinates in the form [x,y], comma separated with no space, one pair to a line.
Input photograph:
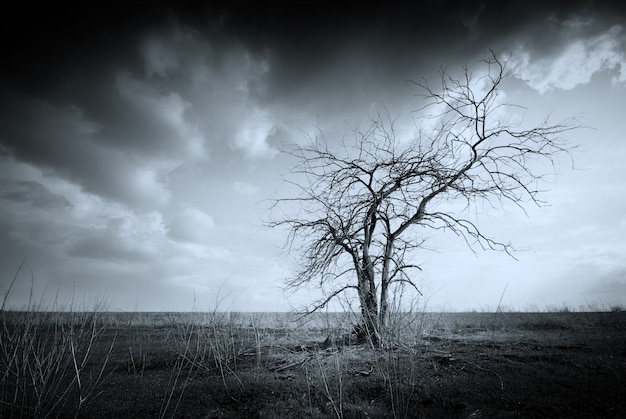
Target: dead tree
[363,205]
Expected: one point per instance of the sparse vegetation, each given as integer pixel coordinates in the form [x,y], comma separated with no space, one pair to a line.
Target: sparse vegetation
[51,362]
[438,364]
[99,364]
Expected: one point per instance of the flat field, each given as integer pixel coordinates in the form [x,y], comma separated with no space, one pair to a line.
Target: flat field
[223,365]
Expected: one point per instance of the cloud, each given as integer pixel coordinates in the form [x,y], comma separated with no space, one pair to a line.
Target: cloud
[252,135]
[44,210]
[32,193]
[162,118]
[190,224]
[104,247]
[62,139]
[245,189]
[87,169]
[117,137]
[159,59]
[588,283]
[177,51]
[575,62]
[220,86]
[612,285]
[129,238]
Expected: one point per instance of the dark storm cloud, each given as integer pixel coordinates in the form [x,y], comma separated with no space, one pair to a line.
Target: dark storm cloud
[51,42]
[31,192]
[342,51]
[47,42]
[351,53]
[389,40]
[554,26]
[61,139]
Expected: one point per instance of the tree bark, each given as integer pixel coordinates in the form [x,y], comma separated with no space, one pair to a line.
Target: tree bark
[369,304]
[384,282]
[369,313]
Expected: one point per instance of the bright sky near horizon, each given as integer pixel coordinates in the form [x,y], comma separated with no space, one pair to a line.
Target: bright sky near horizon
[137,146]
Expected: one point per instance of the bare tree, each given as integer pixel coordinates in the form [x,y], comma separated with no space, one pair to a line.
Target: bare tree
[363,207]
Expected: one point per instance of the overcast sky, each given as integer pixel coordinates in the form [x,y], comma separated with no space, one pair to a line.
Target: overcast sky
[137,146]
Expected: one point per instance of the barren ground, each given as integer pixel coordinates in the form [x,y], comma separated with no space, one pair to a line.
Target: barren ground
[450,365]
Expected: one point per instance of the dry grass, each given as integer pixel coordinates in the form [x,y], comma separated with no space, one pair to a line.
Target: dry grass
[96,364]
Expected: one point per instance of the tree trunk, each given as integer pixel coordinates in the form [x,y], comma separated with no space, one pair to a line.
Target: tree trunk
[369,304]
[384,308]
[369,313]
[384,282]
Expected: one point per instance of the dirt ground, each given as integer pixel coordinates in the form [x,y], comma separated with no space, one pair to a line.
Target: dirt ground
[476,365]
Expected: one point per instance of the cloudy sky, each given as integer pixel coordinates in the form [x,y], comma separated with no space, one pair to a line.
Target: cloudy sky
[137,146]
